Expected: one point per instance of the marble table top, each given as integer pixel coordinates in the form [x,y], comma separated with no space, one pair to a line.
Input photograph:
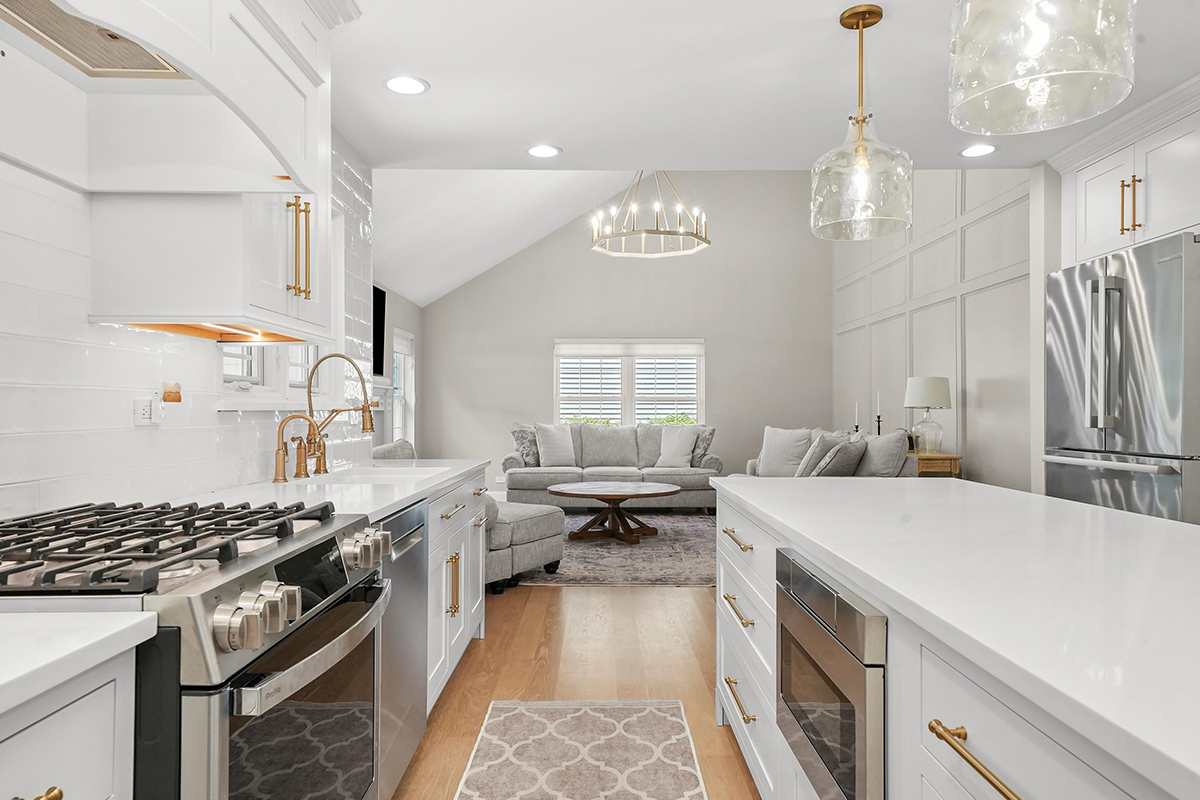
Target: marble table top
[613,489]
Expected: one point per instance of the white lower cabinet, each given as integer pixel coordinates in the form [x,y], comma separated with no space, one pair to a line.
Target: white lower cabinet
[749,711]
[1009,748]
[456,592]
[77,737]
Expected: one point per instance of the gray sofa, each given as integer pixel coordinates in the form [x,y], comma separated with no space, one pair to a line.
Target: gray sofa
[527,482]
[908,469]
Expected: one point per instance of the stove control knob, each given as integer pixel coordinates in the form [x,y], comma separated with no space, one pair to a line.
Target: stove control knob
[269,608]
[237,628]
[384,540]
[357,553]
[288,596]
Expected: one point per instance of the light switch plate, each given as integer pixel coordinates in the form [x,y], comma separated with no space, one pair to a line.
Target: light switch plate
[500,479]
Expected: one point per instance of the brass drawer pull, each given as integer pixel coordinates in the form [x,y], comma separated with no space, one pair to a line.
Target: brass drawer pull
[729,598]
[457,508]
[481,523]
[730,532]
[481,491]
[453,562]
[732,684]
[955,737]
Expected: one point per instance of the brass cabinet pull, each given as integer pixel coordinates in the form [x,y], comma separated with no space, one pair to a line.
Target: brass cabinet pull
[481,491]
[294,204]
[1124,186]
[457,509]
[955,737]
[481,523]
[53,793]
[732,684]
[307,254]
[730,532]
[729,598]
[453,562]
[1133,202]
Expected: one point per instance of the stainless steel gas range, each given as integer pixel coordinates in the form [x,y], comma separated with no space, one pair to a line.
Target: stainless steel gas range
[264,679]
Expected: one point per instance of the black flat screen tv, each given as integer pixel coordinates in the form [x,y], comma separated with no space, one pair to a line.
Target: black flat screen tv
[378,328]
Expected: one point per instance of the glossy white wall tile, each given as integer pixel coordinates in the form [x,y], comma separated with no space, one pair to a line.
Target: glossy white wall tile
[67,386]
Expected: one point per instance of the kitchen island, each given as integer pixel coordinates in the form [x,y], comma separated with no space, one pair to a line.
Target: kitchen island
[1057,633]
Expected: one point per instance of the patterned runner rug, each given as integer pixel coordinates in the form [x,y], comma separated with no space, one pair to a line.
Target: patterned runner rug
[584,750]
[684,553]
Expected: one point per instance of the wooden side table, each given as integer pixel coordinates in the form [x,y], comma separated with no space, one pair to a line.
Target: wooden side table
[937,465]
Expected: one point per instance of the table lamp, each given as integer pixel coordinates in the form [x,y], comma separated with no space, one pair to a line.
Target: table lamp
[927,393]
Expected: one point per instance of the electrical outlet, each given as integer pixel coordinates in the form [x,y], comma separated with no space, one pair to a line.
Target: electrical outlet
[143,411]
[500,479]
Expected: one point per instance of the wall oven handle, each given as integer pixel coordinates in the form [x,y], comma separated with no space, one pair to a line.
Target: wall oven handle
[1120,466]
[732,534]
[253,701]
[955,738]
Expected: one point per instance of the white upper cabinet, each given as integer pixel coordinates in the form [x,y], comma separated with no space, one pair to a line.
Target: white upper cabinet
[1102,205]
[1143,189]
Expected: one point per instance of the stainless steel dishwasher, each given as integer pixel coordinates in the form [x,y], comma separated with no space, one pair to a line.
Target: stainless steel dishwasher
[404,641]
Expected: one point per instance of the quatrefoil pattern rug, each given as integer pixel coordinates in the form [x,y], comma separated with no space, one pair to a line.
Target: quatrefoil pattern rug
[575,750]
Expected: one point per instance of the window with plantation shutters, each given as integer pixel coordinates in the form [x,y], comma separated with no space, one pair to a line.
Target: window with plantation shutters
[627,381]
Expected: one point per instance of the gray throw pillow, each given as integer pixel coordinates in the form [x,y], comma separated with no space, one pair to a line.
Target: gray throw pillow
[782,451]
[525,443]
[609,446]
[703,442]
[820,448]
[554,445]
[677,444]
[649,442]
[841,461]
[885,455]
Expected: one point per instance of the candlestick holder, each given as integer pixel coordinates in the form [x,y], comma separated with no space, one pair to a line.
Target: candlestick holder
[856,427]
[878,425]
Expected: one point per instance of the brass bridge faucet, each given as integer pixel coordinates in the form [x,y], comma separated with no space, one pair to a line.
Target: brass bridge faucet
[313,445]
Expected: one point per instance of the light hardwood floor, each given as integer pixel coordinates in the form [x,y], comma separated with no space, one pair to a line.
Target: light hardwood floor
[584,643]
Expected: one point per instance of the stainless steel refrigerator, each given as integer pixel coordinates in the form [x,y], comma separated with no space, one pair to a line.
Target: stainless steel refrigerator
[1123,380]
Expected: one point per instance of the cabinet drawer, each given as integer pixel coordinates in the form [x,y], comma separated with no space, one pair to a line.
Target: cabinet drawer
[747,545]
[458,505]
[755,642]
[87,727]
[1030,763]
[758,738]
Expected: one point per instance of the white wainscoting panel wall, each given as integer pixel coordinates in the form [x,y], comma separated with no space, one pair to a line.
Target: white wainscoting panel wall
[949,298]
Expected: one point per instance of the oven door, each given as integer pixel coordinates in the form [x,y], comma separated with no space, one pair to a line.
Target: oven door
[829,707]
[302,720]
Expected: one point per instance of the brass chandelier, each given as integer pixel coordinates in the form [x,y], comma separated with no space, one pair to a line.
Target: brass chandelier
[617,233]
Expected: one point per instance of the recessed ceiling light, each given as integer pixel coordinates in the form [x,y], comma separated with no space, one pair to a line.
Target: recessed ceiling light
[977,150]
[544,151]
[407,84]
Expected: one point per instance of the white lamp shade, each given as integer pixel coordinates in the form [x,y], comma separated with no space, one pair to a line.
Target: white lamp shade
[927,393]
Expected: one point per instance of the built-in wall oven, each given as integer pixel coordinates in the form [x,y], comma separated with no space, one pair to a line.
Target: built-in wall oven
[831,651]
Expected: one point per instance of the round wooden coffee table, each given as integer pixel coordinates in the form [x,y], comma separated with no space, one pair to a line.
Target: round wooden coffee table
[614,521]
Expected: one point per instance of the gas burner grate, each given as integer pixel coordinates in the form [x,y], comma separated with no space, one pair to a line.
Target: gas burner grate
[107,547]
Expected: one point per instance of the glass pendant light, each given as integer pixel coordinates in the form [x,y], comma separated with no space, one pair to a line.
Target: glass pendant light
[863,189]
[1019,66]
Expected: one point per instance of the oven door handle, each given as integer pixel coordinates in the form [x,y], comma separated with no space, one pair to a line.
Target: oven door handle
[253,701]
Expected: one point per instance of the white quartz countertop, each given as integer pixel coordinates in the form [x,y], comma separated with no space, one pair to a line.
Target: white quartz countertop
[375,488]
[1091,614]
[44,650]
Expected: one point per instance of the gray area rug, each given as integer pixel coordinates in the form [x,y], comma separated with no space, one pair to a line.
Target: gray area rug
[684,553]
[577,750]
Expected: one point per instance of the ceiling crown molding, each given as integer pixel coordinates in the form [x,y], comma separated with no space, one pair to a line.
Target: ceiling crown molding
[1153,115]
[335,12]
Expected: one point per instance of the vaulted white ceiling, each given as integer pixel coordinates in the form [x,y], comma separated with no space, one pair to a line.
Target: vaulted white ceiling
[677,84]
[433,230]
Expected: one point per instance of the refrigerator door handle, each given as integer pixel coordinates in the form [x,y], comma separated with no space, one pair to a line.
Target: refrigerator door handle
[1107,284]
[1120,466]
[1089,410]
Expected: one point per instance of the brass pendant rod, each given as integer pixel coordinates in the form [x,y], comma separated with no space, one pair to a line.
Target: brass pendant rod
[861,119]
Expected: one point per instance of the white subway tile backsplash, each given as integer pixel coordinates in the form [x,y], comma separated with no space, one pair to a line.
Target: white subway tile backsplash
[67,385]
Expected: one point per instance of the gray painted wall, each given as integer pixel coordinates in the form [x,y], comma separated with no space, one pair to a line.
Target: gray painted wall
[759,297]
